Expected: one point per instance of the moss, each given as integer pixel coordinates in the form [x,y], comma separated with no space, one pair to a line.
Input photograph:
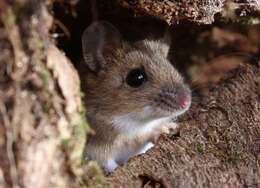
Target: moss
[94,176]
[87,173]
[65,143]
[252,20]
[234,157]
[200,147]
[8,17]
[45,75]
[46,107]
[83,120]
[78,138]
[244,20]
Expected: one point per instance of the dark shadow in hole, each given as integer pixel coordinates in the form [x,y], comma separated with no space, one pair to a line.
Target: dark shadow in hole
[150,182]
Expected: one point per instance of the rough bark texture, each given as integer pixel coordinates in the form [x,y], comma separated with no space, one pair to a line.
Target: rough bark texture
[42,124]
[218,145]
[200,11]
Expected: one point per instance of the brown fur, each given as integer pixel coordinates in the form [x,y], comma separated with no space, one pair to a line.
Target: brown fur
[108,95]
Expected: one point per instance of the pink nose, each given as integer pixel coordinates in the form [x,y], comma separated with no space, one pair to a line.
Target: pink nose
[185,100]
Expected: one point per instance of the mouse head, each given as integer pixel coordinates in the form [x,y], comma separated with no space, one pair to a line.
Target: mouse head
[130,79]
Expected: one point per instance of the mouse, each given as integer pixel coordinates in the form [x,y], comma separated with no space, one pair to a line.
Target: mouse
[132,94]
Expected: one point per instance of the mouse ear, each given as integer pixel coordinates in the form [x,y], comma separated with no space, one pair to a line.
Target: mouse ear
[161,46]
[166,42]
[99,40]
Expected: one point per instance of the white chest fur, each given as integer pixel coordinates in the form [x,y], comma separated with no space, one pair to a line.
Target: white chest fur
[139,122]
[132,125]
[139,125]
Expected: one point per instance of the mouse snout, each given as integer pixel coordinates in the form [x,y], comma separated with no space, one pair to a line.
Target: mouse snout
[183,97]
[174,98]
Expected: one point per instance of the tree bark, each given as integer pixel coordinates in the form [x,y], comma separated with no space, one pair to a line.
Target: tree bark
[42,122]
[198,11]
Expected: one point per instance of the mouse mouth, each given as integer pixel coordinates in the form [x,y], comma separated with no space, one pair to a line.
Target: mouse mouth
[173,113]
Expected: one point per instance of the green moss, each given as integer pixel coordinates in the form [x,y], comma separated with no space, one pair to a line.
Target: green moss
[79,134]
[200,147]
[65,143]
[94,176]
[248,20]
[88,173]
[46,107]
[234,157]
[45,75]
[8,17]
[253,20]
[83,120]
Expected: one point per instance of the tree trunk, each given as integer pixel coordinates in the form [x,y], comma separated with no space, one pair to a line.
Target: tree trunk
[42,121]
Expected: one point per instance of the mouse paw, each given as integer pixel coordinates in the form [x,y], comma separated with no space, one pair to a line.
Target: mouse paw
[164,128]
[146,147]
[172,125]
[158,131]
[110,165]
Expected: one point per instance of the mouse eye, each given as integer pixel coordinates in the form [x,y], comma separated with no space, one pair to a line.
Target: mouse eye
[136,77]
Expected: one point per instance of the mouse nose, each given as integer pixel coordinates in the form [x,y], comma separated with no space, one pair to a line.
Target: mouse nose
[184,99]
[175,97]
[183,96]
